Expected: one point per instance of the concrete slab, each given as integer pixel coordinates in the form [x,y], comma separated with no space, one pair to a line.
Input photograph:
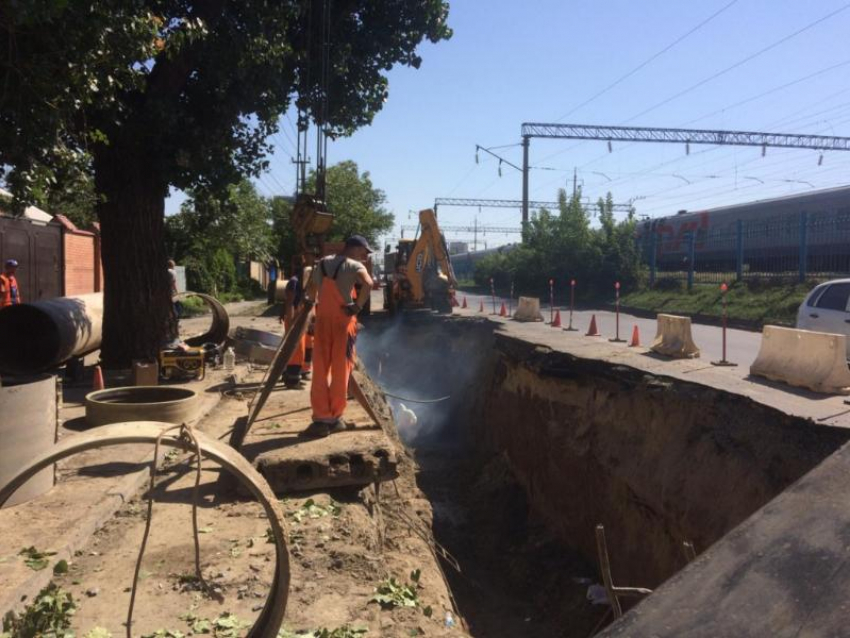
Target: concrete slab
[359,456]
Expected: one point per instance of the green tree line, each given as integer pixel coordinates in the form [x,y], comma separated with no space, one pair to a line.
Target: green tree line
[563,245]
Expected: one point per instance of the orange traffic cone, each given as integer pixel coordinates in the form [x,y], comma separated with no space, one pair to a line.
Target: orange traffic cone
[593,331]
[481,306]
[97,381]
[453,302]
[635,337]
[464,304]
[556,322]
[503,312]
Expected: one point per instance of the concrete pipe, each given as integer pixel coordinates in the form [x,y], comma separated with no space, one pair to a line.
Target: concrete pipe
[270,618]
[141,403]
[27,430]
[279,291]
[36,337]
[220,321]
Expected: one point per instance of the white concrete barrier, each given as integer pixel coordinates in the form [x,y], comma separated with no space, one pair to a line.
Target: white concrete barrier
[813,360]
[673,338]
[528,309]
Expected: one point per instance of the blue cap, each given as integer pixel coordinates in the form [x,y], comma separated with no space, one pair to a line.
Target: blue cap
[11,262]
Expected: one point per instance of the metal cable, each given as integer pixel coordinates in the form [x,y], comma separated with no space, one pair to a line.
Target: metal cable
[187,434]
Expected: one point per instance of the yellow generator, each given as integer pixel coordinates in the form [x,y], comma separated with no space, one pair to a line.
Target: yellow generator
[182,363]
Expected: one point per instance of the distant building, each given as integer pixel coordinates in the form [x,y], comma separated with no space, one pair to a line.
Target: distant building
[458,247]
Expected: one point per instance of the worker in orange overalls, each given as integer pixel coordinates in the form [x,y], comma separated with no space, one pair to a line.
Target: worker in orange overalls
[10,293]
[332,285]
[293,296]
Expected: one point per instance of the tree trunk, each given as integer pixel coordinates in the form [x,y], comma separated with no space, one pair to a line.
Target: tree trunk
[138,317]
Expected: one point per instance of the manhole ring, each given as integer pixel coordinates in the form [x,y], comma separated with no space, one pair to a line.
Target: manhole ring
[141,403]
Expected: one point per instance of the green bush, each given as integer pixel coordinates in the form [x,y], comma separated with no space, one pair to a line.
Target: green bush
[562,246]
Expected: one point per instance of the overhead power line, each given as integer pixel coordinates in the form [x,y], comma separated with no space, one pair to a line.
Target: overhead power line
[648,61]
[739,63]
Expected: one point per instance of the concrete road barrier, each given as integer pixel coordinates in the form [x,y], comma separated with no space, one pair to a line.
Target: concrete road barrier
[813,360]
[528,309]
[673,338]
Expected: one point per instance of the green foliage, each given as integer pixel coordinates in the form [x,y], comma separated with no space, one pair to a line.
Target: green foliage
[35,559]
[193,88]
[98,632]
[226,625]
[358,206]
[48,616]
[562,245]
[750,301]
[311,509]
[390,593]
[346,631]
[211,232]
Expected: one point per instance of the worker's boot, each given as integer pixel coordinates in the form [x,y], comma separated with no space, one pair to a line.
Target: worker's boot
[292,377]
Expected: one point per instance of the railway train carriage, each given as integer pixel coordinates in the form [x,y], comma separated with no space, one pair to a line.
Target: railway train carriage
[772,231]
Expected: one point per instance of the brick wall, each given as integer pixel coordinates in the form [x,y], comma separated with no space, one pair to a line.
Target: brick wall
[79,264]
[83,270]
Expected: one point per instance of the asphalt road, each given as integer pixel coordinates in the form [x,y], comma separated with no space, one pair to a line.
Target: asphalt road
[742,346]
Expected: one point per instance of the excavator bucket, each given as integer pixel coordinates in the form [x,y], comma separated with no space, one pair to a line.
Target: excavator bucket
[311,221]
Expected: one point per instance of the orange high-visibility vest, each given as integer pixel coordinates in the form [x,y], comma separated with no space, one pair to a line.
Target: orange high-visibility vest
[10,284]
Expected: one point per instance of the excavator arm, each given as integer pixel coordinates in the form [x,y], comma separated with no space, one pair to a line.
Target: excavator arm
[429,252]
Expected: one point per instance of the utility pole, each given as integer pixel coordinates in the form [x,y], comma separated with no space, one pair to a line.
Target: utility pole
[475,237]
[525,142]
[575,180]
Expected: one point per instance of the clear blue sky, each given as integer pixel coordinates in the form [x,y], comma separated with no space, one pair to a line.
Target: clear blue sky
[537,61]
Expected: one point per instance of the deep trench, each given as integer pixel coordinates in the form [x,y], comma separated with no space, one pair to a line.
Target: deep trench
[534,448]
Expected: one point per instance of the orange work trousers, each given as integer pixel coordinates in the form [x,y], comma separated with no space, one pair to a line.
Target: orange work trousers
[333,354]
[297,358]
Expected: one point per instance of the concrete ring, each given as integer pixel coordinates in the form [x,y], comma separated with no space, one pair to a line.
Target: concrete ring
[166,404]
[270,619]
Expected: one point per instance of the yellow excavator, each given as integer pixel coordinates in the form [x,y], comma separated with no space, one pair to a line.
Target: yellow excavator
[419,273]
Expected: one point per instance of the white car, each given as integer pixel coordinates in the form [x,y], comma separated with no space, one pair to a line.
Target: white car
[826,309]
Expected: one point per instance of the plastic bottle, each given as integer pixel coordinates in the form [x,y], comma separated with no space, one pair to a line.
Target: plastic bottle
[450,621]
[229,360]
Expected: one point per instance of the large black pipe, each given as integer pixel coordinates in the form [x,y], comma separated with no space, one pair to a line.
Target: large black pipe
[220,321]
[35,337]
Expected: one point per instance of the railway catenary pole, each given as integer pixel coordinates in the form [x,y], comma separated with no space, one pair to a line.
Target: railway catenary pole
[525,145]
[668,136]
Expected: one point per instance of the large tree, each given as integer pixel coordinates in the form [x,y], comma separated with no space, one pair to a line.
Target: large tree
[150,94]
